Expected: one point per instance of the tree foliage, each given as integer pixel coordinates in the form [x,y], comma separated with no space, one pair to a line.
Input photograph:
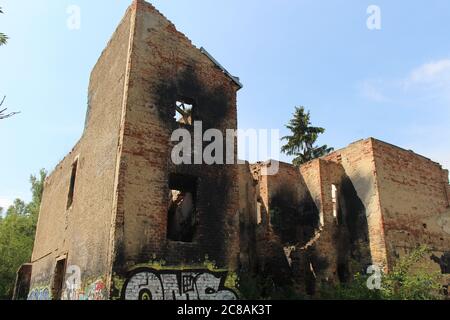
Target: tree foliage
[407,282]
[3,37]
[301,143]
[17,230]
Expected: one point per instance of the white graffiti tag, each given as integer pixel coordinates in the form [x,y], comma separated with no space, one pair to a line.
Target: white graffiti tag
[148,284]
[374,281]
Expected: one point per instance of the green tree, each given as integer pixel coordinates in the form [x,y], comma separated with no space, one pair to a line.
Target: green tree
[301,143]
[3,37]
[17,230]
[16,244]
[37,187]
[19,207]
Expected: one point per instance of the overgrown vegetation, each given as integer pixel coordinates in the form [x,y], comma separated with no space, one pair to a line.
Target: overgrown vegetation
[262,287]
[17,230]
[301,143]
[406,281]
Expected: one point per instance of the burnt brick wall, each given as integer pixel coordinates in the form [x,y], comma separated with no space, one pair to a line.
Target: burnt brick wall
[165,65]
[358,163]
[248,197]
[288,194]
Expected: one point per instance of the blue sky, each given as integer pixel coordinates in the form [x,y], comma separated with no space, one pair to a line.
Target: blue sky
[392,83]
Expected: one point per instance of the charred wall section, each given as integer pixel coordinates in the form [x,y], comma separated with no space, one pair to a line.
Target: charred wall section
[341,243]
[352,234]
[166,68]
[316,228]
[277,214]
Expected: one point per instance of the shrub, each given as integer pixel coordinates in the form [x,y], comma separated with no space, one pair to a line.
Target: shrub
[404,282]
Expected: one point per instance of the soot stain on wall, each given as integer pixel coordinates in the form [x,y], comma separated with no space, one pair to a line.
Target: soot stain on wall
[214,183]
[294,221]
[213,202]
[352,234]
[210,105]
[443,261]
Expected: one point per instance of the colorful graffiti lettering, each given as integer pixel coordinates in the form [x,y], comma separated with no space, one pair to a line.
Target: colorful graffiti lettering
[39,294]
[150,284]
[94,291]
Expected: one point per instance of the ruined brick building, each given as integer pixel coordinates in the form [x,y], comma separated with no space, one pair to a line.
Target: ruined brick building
[367,204]
[119,220]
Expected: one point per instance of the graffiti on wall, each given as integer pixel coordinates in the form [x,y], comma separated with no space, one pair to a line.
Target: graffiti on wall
[94,291]
[151,284]
[42,293]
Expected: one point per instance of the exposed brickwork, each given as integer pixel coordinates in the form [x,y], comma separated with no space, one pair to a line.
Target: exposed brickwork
[119,214]
[83,231]
[388,201]
[414,201]
[248,219]
[165,66]
[359,166]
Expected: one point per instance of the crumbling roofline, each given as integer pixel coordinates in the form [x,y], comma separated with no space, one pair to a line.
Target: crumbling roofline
[225,71]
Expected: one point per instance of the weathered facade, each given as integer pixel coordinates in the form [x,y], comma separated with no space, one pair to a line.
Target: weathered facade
[105,207]
[119,220]
[367,204]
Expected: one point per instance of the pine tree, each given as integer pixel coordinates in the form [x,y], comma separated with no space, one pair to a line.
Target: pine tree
[301,143]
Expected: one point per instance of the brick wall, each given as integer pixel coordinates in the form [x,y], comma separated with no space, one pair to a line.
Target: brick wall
[248,220]
[414,201]
[164,66]
[83,231]
[124,164]
[358,163]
